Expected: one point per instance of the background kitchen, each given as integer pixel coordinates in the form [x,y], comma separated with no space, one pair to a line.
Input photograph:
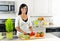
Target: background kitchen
[49,9]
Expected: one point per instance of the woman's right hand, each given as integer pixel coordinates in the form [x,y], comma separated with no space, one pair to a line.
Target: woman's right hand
[24,33]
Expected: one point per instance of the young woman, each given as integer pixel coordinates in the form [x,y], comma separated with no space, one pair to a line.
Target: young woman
[23,22]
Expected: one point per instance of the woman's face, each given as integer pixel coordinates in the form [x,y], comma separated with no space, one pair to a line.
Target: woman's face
[24,10]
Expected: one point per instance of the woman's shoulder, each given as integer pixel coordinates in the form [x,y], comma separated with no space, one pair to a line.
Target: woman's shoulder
[17,17]
[28,16]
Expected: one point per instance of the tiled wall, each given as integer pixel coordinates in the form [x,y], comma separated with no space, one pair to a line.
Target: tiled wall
[47,18]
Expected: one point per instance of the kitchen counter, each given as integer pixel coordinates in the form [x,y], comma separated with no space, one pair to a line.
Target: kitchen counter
[53,26]
[48,37]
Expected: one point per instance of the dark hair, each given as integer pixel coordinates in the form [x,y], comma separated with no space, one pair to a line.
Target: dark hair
[21,6]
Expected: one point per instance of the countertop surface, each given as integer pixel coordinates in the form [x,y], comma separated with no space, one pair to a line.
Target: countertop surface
[53,26]
[48,37]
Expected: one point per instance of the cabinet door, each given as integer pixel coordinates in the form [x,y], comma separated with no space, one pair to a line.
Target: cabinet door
[36,7]
[40,8]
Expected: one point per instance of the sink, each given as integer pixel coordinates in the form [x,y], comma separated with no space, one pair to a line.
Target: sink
[56,34]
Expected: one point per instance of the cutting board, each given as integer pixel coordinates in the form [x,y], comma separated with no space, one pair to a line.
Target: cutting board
[33,37]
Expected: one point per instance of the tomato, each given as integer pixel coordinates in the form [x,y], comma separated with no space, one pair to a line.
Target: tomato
[32,33]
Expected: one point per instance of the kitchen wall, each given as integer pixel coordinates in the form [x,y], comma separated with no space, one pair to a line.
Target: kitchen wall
[30,10]
[47,18]
[6,15]
[56,11]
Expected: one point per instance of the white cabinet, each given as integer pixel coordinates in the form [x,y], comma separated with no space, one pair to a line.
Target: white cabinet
[37,7]
[42,8]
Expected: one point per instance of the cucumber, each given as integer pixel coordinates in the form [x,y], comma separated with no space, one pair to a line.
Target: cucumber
[24,36]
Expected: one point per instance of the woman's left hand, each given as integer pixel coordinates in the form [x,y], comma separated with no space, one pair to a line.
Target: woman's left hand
[31,28]
[27,34]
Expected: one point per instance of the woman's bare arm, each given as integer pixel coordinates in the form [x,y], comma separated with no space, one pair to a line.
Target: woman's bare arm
[30,28]
[20,30]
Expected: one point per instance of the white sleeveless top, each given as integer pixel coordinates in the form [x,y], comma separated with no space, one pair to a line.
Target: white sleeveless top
[23,25]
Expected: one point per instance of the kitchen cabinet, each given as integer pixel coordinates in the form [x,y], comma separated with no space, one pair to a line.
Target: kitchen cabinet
[50,30]
[42,8]
[56,34]
[53,29]
[37,7]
